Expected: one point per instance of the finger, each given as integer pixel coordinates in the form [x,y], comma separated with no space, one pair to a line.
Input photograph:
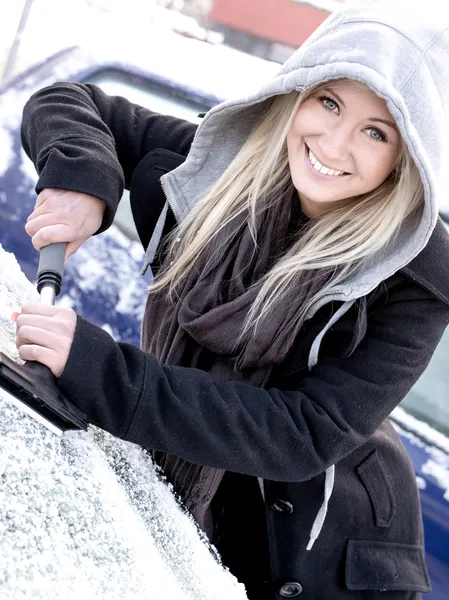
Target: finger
[39,321]
[43,196]
[27,335]
[40,354]
[46,208]
[52,235]
[41,199]
[44,220]
[49,200]
[72,247]
[36,308]
[59,324]
[42,210]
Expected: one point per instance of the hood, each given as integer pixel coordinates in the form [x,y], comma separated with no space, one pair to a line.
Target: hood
[402,56]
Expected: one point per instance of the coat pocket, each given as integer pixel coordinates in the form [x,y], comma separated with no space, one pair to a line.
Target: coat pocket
[376,483]
[385,566]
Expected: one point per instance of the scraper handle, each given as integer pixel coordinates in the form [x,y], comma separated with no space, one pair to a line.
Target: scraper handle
[51,267]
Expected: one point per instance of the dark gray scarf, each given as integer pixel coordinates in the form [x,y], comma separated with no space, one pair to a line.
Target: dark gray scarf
[200,329]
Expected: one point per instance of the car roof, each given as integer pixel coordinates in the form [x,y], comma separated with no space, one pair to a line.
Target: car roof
[211,70]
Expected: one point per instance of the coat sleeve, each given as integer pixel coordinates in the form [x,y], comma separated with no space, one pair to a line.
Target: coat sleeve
[287,435]
[81,139]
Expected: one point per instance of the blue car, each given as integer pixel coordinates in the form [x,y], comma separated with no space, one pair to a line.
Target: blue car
[102,280]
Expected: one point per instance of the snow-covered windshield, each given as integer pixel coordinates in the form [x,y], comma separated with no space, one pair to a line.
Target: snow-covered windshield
[87,515]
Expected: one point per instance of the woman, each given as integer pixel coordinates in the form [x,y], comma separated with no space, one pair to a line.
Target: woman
[298,298]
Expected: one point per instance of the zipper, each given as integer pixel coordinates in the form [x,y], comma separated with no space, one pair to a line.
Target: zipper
[164,191]
[169,204]
[146,262]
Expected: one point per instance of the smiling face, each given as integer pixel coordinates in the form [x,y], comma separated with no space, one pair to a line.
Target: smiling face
[342,143]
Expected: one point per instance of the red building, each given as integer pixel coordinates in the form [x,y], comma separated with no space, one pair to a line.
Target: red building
[271,29]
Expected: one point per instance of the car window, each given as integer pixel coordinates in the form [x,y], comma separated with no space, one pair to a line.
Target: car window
[428,400]
[155,97]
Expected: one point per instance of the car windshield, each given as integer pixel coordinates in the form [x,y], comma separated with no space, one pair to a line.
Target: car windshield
[154,96]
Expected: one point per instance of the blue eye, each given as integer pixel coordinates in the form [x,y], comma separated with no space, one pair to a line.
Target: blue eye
[380,135]
[328,103]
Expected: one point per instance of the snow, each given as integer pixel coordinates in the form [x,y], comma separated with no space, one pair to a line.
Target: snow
[43,36]
[434,443]
[425,431]
[7,149]
[11,114]
[28,170]
[102,265]
[14,291]
[421,483]
[87,515]
[440,472]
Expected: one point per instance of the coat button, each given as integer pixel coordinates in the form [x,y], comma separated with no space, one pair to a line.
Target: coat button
[282,506]
[290,589]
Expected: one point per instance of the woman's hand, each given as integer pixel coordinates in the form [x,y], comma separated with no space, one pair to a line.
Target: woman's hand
[64,216]
[45,334]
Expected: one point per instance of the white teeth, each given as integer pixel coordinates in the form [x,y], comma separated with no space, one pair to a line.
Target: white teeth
[321,168]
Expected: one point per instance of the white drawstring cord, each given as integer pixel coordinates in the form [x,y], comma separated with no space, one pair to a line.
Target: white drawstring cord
[330,472]
[321,516]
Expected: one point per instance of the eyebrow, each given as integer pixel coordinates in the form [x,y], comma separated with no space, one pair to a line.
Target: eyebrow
[389,123]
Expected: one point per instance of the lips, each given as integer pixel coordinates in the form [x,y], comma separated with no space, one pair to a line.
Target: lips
[308,158]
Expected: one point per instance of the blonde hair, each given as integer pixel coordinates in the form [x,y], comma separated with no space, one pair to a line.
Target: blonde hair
[340,241]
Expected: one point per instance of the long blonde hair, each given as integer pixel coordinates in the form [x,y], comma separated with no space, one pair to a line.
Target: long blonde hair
[340,241]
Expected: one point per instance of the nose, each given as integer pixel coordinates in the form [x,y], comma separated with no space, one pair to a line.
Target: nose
[335,144]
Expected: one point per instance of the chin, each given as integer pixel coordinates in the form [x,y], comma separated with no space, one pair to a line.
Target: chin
[319,199]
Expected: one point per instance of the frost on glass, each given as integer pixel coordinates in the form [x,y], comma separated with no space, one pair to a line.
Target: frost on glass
[87,515]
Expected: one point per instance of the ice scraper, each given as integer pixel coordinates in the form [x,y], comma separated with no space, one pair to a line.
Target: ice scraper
[31,387]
